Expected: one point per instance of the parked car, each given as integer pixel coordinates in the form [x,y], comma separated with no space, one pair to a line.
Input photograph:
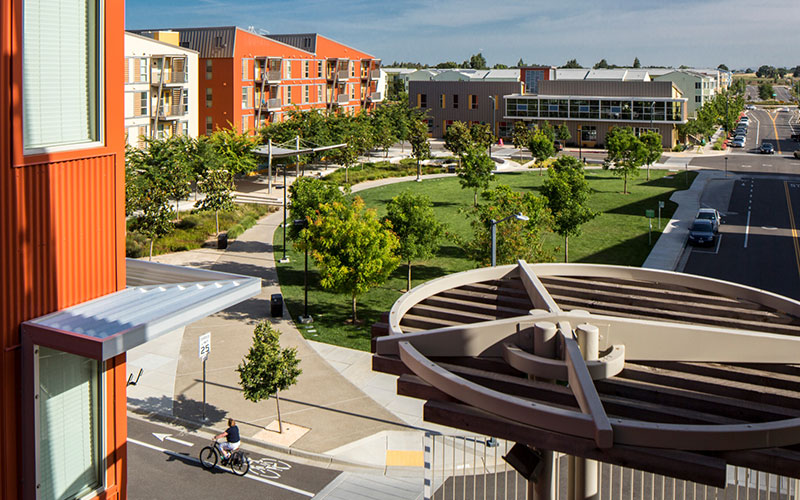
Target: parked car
[750,106]
[744,119]
[702,232]
[558,145]
[737,143]
[739,136]
[710,214]
[796,137]
[797,154]
[767,148]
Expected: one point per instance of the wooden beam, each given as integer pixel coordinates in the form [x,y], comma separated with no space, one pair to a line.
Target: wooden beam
[539,295]
[580,381]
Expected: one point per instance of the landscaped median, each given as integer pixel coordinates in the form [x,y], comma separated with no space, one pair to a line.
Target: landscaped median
[371,171]
[619,235]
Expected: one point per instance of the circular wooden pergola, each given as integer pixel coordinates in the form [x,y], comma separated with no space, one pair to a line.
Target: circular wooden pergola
[665,372]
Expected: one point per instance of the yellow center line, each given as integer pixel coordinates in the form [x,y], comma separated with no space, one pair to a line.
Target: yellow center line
[794,228]
[775,128]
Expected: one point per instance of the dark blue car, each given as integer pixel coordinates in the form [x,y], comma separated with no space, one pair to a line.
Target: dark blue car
[702,232]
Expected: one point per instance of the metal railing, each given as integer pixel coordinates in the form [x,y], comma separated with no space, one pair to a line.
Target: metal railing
[342,99]
[270,76]
[458,467]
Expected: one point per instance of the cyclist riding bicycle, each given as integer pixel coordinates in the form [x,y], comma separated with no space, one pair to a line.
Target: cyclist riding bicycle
[232,441]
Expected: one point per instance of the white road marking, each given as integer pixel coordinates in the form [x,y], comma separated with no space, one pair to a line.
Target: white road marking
[248,476]
[168,437]
[747,229]
[758,126]
[766,165]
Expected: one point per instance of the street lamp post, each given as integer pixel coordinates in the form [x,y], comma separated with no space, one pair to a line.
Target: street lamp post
[305,318]
[580,144]
[494,223]
[494,105]
[726,166]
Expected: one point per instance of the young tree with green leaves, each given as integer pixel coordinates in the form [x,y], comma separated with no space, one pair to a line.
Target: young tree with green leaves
[346,130]
[541,147]
[412,219]
[572,64]
[515,239]
[267,368]
[481,134]
[563,134]
[567,193]
[548,130]
[520,135]
[420,148]
[653,148]
[353,249]
[383,130]
[217,185]
[477,61]
[235,150]
[306,195]
[636,63]
[626,154]
[765,91]
[476,171]
[457,139]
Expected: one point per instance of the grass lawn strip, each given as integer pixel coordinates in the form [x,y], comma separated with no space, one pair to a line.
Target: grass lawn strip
[619,235]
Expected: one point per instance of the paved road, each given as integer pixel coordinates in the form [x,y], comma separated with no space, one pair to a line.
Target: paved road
[782,93]
[161,469]
[758,244]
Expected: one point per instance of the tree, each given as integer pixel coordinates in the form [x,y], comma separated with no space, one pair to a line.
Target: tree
[626,154]
[418,137]
[563,134]
[481,134]
[447,65]
[477,61]
[346,130]
[412,219]
[541,147]
[548,130]
[307,194]
[521,135]
[476,170]
[148,194]
[602,63]
[234,150]
[515,239]
[723,67]
[217,185]
[567,193]
[653,148]
[572,64]
[457,139]
[353,249]
[636,63]
[383,130]
[267,369]
[500,66]
[796,71]
[520,63]
[766,71]
[765,91]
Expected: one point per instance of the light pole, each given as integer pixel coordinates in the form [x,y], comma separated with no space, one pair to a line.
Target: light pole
[517,216]
[726,166]
[305,318]
[494,105]
[580,144]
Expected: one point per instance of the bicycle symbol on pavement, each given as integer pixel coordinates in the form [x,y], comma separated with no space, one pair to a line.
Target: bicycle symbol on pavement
[268,468]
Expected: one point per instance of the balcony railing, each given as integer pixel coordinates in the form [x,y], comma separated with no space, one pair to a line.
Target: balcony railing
[342,99]
[171,112]
[273,75]
[376,97]
[170,77]
[273,104]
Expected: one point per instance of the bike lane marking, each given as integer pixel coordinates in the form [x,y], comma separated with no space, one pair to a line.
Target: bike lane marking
[197,460]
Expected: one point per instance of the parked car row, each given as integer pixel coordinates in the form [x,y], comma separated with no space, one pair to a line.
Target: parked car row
[705,228]
[739,135]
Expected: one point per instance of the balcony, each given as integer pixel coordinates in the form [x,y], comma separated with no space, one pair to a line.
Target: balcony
[372,74]
[173,112]
[343,99]
[272,76]
[376,97]
[170,78]
[341,74]
[273,104]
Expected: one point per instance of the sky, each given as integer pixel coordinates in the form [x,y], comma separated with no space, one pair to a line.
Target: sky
[697,33]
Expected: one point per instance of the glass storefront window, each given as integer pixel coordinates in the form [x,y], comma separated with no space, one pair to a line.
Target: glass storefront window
[69,418]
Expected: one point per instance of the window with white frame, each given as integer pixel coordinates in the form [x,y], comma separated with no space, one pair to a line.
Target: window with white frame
[319,93]
[209,69]
[209,125]
[246,98]
[68,113]
[288,94]
[69,417]
[143,65]
[185,98]
[319,69]
[288,67]
[306,68]
[305,93]
[244,69]
[209,97]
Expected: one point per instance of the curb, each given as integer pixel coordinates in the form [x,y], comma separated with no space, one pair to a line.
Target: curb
[318,458]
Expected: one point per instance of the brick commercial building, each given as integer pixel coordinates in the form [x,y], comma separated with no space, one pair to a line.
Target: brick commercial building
[247,80]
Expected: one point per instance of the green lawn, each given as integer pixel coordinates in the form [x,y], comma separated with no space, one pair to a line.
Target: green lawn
[617,236]
[370,171]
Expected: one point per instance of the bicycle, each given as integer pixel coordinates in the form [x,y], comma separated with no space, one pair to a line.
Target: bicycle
[237,460]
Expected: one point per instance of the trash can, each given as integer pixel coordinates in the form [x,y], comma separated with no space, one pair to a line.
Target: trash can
[276,305]
[222,241]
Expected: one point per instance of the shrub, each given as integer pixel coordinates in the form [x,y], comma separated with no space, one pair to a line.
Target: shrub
[235,231]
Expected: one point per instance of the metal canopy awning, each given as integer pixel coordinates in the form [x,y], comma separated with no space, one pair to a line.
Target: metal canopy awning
[159,299]
[276,152]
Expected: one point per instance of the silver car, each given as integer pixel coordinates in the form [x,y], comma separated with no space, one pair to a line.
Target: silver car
[712,215]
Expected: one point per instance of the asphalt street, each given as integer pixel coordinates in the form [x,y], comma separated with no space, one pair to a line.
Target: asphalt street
[161,458]
[757,244]
[782,93]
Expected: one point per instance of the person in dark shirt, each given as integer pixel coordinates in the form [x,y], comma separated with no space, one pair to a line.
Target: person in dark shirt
[232,440]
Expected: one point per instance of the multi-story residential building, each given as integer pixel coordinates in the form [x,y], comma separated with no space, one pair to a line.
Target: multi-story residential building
[247,80]
[469,101]
[698,87]
[161,96]
[71,306]
[596,106]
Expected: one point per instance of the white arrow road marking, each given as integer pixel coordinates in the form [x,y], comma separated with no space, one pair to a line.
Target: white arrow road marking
[248,476]
[168,437]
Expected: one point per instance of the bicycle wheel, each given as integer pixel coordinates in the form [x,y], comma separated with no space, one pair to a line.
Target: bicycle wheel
[240,464]
[208,457]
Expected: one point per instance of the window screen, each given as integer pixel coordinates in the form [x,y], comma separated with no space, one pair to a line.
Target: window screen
[60,72]
[69,424]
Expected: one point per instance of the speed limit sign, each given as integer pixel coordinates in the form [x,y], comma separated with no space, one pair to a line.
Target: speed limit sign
[204,346]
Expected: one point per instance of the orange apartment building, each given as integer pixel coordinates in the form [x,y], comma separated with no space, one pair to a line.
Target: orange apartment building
[247,80]
[70,303]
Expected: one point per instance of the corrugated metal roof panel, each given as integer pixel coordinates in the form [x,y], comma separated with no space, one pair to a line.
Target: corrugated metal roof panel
[303,41]
[209,42]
